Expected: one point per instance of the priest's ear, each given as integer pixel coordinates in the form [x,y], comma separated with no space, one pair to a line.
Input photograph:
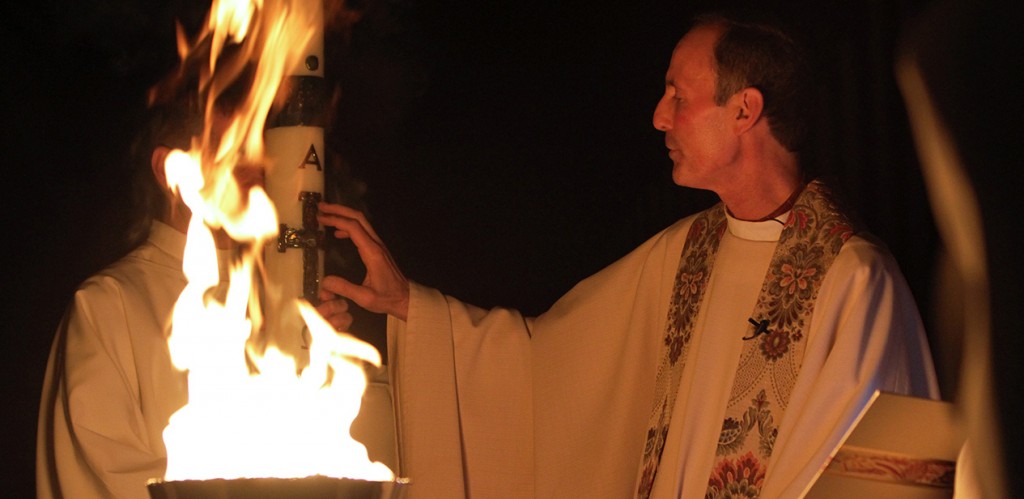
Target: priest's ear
[157,162]
[174,212]
[746,106]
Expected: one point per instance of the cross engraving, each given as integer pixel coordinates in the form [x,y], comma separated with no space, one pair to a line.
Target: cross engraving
[310,238]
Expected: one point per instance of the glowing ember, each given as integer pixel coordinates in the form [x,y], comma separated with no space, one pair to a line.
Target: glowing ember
[252,413]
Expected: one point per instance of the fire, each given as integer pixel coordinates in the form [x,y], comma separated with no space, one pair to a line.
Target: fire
[252,412]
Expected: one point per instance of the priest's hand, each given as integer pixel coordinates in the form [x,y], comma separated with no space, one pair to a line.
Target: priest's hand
[384,289]
[334,310]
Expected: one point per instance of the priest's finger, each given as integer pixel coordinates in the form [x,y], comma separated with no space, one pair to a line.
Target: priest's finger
[326,295]
[371,250]
[363,296]
[346,212]
[335,312]
[332,304]
[386,293]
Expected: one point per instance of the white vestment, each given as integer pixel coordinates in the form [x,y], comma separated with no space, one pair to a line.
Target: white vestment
[493,404]
[110,386]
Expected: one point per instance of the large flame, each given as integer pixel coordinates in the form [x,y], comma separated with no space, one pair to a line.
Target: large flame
[252,412]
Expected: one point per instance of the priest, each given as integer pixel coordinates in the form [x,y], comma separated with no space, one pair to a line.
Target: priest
[726,356]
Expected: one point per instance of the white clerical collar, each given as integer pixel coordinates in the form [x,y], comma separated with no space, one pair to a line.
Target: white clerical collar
[768,230]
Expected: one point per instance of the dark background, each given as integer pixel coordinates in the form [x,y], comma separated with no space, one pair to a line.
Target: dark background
[504,150]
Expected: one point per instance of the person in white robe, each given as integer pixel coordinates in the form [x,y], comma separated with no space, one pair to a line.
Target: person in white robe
[494,404]
[110,387]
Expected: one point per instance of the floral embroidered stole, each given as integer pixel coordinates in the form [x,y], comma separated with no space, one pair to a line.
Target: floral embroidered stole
[772,355]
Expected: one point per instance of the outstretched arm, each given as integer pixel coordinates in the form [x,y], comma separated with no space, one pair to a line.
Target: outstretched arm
[385,289]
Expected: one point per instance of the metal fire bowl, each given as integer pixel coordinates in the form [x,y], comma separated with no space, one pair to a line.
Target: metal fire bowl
[314,487]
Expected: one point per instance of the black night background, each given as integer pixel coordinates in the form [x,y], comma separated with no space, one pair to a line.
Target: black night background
[503,149]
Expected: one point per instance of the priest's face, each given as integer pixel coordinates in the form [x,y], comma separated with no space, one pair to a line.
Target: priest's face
[698,134]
